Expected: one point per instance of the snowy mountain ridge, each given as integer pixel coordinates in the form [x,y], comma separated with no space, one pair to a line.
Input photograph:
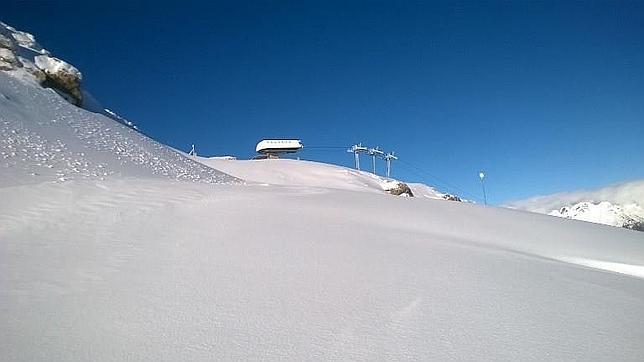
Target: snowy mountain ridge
[604,212]
[618,205]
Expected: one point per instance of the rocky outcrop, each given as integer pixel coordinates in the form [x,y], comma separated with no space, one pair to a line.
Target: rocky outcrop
[19,49]
[61,76]
[636,225]
[401,189]
[449,197]
[6,43]
[8,59]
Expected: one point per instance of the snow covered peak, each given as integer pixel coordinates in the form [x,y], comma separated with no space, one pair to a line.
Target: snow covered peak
[604,212]
[617,205]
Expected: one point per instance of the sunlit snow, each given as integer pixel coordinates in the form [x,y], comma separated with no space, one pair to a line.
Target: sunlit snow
[116,247]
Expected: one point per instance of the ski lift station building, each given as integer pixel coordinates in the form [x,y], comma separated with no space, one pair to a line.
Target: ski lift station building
[277,147]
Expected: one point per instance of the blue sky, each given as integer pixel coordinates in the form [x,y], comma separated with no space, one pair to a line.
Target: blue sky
[543,96]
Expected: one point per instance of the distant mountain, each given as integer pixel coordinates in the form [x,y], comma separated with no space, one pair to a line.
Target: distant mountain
[604,213]
[618,205]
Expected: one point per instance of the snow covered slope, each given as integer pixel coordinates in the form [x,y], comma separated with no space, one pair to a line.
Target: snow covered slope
[618,205]
[297,173]
[45,138]
[108,253]
[287,172]
[150,270]
[312,174]
[19,51]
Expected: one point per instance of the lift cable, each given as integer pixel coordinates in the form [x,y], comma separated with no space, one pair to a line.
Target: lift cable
[323,147]
[438,181]
[418,170]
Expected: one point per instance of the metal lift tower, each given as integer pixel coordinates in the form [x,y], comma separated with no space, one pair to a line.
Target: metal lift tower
[356,149]
[389,157]
[375,152]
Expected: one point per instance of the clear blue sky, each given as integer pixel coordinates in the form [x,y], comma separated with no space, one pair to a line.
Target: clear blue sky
[545,96]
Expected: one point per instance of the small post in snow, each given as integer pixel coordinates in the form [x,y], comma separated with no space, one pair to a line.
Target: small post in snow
[192,151]
[482,176]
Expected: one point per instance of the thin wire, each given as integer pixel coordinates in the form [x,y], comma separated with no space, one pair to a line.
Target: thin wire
[418,170]
[438,181]
[413,167]
[324,147]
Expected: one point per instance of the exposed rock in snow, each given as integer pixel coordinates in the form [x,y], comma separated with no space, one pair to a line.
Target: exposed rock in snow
[62,76]
[6,42]
[450,197]
[50,71]
[44,138]
[19,50]
[399,189]
[8,60]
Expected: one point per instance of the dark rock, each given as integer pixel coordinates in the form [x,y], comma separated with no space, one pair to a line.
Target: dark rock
[449,197]
[402,189]
[8,59]
[62,77]
[6,43]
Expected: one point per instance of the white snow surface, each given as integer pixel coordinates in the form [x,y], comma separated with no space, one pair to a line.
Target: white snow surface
[287,172]
[108,253]
[44,138]
[150,269]
[425,191]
